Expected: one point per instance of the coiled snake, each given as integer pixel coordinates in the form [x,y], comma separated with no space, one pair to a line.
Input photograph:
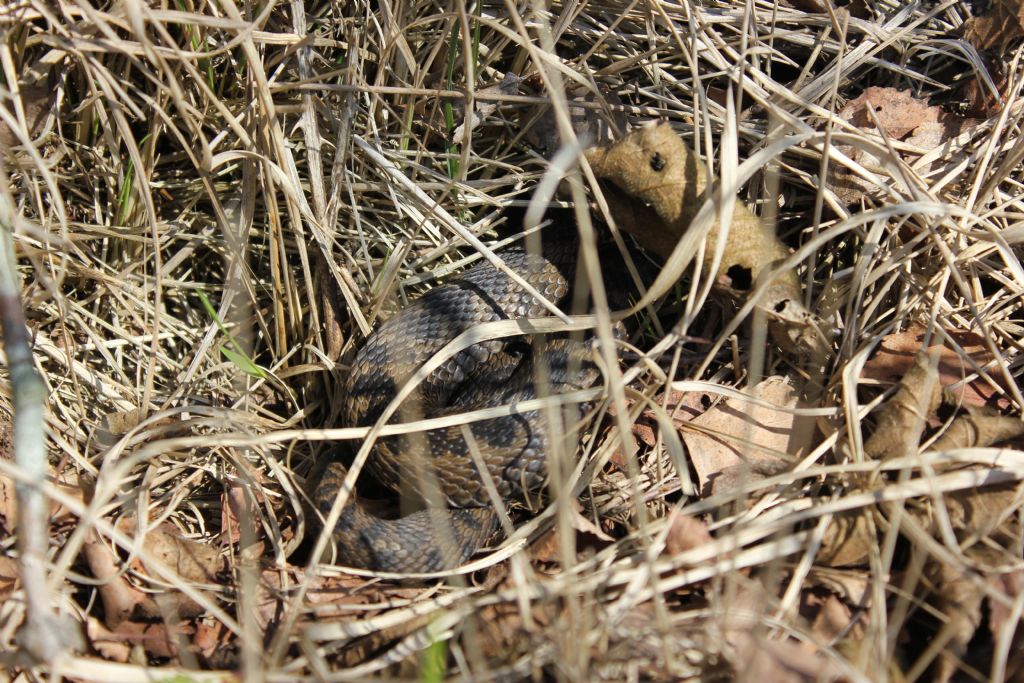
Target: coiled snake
[487,374]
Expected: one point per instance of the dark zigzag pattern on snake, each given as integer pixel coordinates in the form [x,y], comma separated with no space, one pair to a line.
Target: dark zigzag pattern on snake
[487,374]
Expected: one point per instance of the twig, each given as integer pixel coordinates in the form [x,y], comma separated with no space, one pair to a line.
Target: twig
[45,635]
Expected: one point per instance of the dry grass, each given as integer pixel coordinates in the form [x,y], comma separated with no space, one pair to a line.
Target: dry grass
[261,155]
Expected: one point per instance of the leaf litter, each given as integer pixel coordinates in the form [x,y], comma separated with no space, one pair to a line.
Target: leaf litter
[827,560]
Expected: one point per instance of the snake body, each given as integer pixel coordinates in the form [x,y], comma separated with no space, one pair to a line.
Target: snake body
[498,372]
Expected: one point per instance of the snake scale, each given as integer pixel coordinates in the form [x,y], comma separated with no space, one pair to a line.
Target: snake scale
[487,374]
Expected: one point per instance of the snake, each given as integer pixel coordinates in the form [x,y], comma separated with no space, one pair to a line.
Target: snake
[457,471]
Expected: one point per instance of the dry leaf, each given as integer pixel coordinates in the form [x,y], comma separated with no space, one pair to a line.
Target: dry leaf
[155,639]
[686,533]
[997,28]
[655,184]
[741,434]
[979,428]
[978,99]
[901,420]
[896,353]
[37,101]
[852,586]
[959,599]
[589,535]
[9,573]
[848,540]
[194,562]
[903,118]
[757,659]
[1011,585]
[830,617]
[9,504]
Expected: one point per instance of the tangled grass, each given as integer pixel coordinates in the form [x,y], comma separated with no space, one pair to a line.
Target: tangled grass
[214,203]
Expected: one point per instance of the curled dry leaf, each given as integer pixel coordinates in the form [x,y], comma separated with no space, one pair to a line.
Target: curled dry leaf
[902,418]
[655,185]
[979,428]
[997,28]
[902,118]
[959,598]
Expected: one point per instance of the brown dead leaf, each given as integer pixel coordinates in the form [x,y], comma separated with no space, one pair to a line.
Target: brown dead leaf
[37,101]
[896,353]
[757,659]
[9,504]
[830,617]
[902,117]
[194,562]
[997,28]
[589,535]
[978,99]
[120,598]
[848,540]
[1010,584]
[901,420]
[9,573]
[959,599]
[686,533]
[740,434]
[155,639]
[655,185]
[979,428]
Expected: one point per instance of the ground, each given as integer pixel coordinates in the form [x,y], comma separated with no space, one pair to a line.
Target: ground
[804,465]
